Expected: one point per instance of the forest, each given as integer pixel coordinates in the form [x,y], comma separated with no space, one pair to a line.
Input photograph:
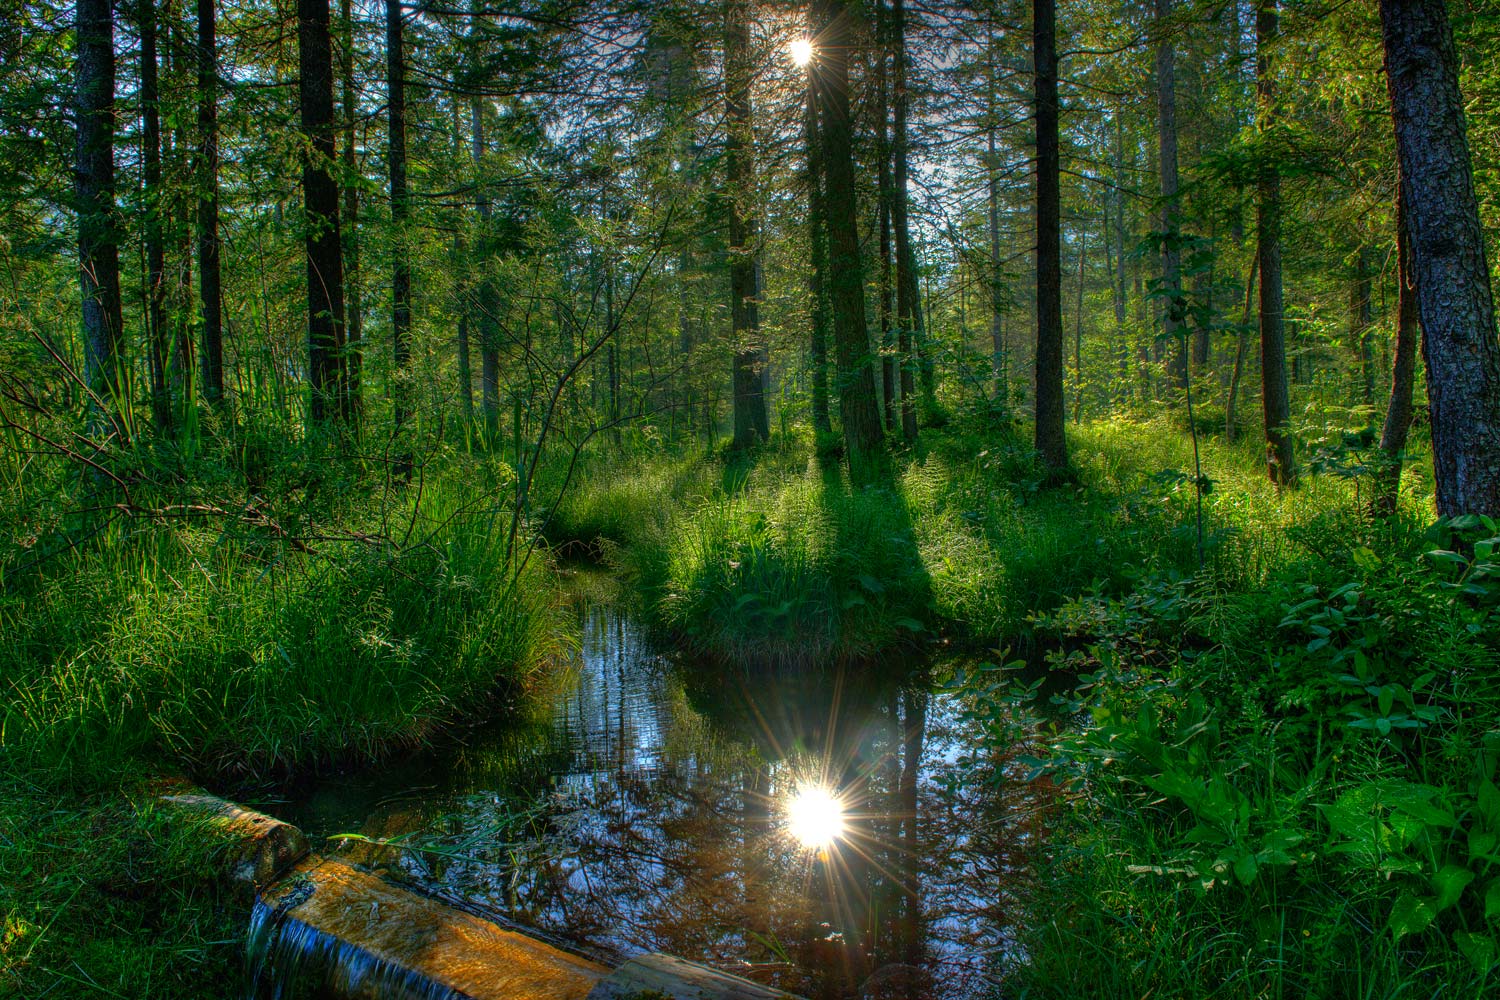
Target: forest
[882,498]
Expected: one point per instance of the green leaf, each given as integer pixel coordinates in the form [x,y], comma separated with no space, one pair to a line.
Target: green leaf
[1245,868]
[1449,883]
[1411,915]
[1492,900]
[911,625]
[1479,949]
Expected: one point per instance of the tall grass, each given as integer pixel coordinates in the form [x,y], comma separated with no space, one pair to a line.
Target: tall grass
[166,642]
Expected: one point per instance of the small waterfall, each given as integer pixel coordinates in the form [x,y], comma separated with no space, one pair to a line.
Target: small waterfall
[288,958]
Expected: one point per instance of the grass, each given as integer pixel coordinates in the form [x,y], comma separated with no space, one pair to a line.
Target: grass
[1228,767]
[337,621]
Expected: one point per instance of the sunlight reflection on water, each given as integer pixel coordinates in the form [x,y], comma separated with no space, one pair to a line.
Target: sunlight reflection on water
[641,817]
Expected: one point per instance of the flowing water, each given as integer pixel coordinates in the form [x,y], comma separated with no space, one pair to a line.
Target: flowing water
[647,812]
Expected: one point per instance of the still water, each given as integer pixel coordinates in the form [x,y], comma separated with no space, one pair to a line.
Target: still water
[647,812]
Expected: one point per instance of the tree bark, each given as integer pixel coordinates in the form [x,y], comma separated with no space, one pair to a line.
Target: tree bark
[210,286]
[890,359]
[1398,411]
[817,222]
[1275,396]
[1454,298]
[354,325]
[857,400]
[99,234]
[395,69]
[156,257]
[1360,321]
[751,421]
[1171,253]
[325,263]
[1051,440]
[908,295]
[488,298]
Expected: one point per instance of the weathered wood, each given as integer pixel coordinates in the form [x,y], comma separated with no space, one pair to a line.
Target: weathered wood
[657,976]
[267,847]
[381,939]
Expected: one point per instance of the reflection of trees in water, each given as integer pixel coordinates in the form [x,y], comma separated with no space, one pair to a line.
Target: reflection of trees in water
[662,833]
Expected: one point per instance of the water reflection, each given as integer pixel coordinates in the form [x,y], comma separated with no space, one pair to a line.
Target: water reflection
[648,814]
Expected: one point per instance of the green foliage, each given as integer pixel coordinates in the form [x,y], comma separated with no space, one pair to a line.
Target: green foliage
[1295,765]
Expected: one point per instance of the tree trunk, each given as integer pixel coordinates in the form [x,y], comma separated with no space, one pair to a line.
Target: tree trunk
[1051,414]
[395,69]
[156,257]
[817,222]
[99,234]
[488,299]
[1119,284]
[210,294]
[325,263]
[354,326]
[1083,250]
[890,366]
[857,400]
[1452,274]
[1275,395]
[1171,253]
[1360,321]
[751,421]
[1398,412]
[908,295]
[1231,420]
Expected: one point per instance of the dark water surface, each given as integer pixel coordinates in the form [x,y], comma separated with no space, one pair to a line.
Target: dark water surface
[645,813]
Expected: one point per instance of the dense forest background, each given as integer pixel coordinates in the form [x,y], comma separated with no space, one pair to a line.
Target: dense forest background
[1150,346]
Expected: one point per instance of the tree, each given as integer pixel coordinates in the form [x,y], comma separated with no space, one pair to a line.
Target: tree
[1051,414]
[1398,413]
[1454,298]
[856,382]
[210,286]
[395,62]
[156,263]
[751,422]
[908,296]
[1276,404]
[320,198]
[1171,253]
[99,233]
[817,228]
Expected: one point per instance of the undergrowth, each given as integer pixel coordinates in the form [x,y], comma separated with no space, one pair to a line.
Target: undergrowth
[320,616]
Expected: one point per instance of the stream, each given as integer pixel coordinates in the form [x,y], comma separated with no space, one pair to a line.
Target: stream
[645,811]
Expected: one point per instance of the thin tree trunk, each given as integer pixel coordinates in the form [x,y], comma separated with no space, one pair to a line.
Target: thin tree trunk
[1120,278]
[817,221]
[354,327]
[395,58]
[751,420]
[210,294]
[909,331]
[1051,441]
[1171,253]
[325,262]
[1398,412]
[488,300]
[1083,249]
[1000,360]
[99,235]
[890,367]
[1275,395]
[1231,421]
[156,257]
[1360,321]
[857,400]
